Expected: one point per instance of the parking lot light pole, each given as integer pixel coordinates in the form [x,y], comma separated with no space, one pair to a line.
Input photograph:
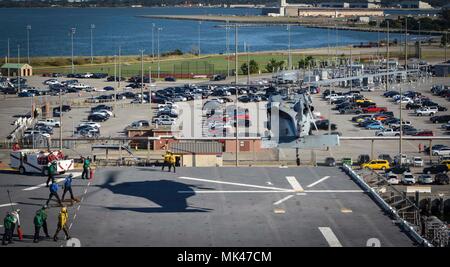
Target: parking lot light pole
[60,120]
[445,45]
[28,43]
[8,58]
[119,67]
[72,33]
[92,43]
[387,57]
[237,91]
[289,47]
[199,39]
[142,76]
[19,71]
[115,80]
[159,54]
[153,40]
[227,37]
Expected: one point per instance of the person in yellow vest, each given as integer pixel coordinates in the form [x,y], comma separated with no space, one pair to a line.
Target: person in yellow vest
[62,224]
[172,161]
[166,160]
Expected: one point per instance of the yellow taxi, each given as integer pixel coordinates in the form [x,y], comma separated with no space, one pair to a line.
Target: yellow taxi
[376,164]
[360,101]
[446,162]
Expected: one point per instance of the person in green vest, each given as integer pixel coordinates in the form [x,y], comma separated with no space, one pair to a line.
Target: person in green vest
[52,168]
[86,167]
[40,221]
[9,225]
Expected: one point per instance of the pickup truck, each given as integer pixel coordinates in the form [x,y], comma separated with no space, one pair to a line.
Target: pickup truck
[374,109]
[426,111]
[49,122]
[387,132]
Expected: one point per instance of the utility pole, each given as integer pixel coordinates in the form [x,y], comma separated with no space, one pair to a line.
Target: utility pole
[227,47]
[92,43]
[237,91]
[119,68]
[72,33]
[150,91]
[199,40]
[19,70]
[142,76]
[289,47]
[247,48]
[159,55]
[9,74]
[153,40]
[28,43]
[445,46]
[351,68]
[115,80]
[60,120]
[401,96]
[387,58]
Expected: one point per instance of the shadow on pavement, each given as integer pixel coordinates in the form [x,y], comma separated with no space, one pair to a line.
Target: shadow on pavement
[164,193]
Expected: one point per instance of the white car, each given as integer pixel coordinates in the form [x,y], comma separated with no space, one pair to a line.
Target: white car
[34,133]
[87,75]
[387,132]
[408,178]
[426,111]
[392,178]
[79,86]
[397,124]
[90,123]
[139,101]
[50,122]
[445,151]
[367,89]
[109,112]
[404,100]
[52,82]
[418,162]
[425,179]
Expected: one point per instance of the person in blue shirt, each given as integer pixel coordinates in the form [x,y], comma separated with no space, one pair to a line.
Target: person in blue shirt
[68,188]
[54,193]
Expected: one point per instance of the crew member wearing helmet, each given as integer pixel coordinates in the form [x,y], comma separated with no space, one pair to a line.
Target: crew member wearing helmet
[62,224]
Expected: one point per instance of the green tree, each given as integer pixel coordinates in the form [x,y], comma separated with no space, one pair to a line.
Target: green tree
[305,62]
[274,65]
[254,67]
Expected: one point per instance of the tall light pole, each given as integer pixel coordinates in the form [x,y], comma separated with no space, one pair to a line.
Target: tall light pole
[400,149]
[289,47]
[237,91]
[142,76]
[199,38]
[445,46]
[247,48]
[72,33]
[387,57]
[28,43]
[153,40]
[159,55]
[19,70]
[92,43]
[115,80]
[8,52]
[227,47]
[119,68]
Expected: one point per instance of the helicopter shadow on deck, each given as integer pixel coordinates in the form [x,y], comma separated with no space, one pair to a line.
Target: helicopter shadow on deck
[164,193]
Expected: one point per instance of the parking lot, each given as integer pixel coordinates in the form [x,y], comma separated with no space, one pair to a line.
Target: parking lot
[212,207]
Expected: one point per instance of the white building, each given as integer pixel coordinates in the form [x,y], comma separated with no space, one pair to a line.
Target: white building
[415,4]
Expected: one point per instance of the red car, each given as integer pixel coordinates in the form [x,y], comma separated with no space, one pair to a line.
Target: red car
[424,133]
[374,109]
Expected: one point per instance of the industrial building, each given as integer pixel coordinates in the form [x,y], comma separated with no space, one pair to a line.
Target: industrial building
[414,4]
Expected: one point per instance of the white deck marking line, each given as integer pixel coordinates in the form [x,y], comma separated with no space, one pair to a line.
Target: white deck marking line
[301,194]
[70,226]
[330,237]
[1,226]
[78,208]
[42,185]
[267,191]
[318,181]
[334,191]
[85,191]
[295,184]
[8,205]
[230,183]
[74,217]
[283,200]
[75,175]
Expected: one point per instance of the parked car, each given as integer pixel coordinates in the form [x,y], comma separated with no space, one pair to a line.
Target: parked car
[324,125]
[392,178]
[386,157]
[330,162]
[170,79]
[441,179]
[440,168]
[399,169]
[417,162]
[408,178]
[363,159]
[426,111]
[375,126]
[50,122]
[425,179]
[387,132]
[377,164]
[424,133]
[347,161]
[440,119]
[97,118]
[444,151]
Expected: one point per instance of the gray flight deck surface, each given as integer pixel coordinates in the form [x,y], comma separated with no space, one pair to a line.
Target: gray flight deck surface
[210,207]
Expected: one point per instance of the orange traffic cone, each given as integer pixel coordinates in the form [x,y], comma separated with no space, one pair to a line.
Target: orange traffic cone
[91,174]
[20,233]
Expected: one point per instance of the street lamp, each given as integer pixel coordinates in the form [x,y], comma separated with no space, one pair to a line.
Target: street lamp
[199,41]
[142,76]
[72,33]
[159,54]
[153,40]
[227,36]
[28,42]
[92,43]
[289,47]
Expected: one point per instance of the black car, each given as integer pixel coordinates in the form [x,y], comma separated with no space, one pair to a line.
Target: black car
[101,107]
[363,159]
[440,119]
[99,75]
[413,106]
[398,169]
[170,79]
[441,168]
[113,78]
[9,90]
[441,178]
[390,93]
[97,118]
[218,77]
[323,125]
[385,157]
[330,162]
[129,95]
